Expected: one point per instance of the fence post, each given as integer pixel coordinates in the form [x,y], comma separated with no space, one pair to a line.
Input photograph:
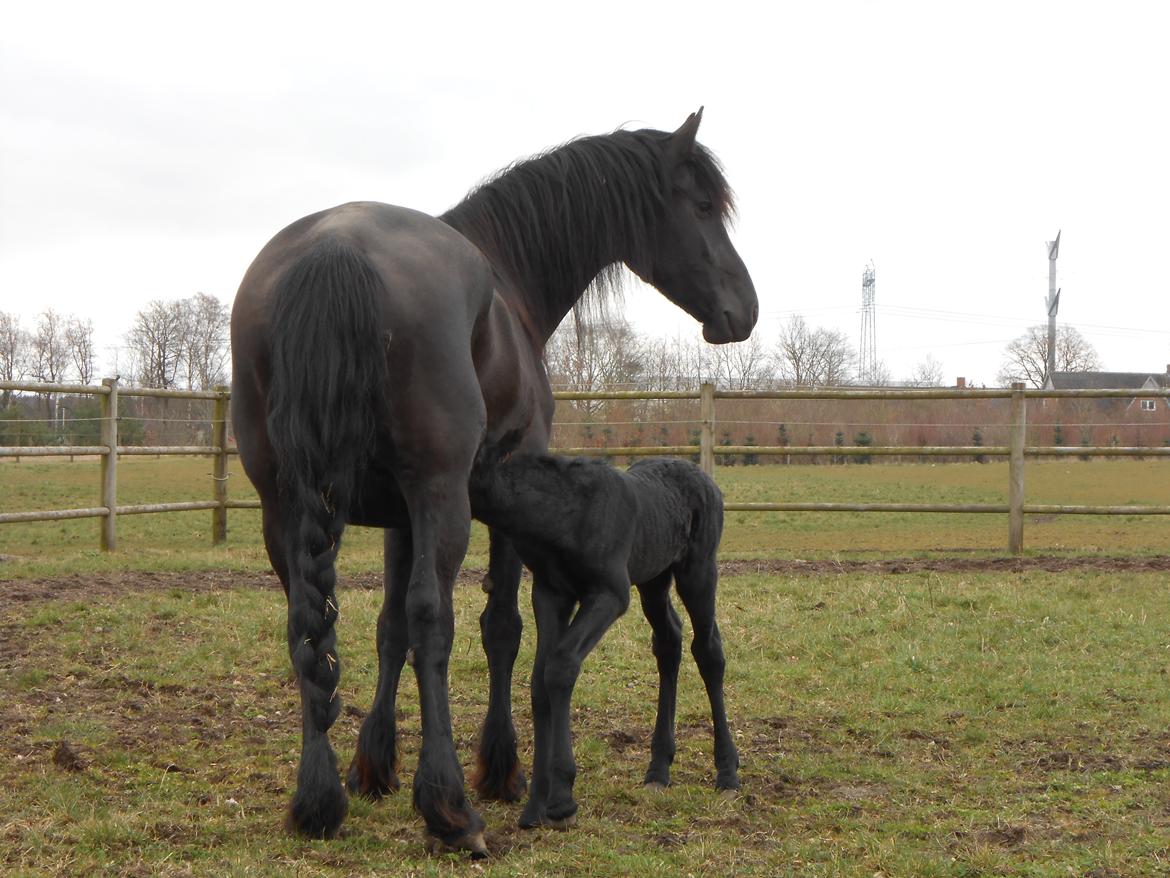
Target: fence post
[109,438]
[1019,415]
[220,474]
[707,423]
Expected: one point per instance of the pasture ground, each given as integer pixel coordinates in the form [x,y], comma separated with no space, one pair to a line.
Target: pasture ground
[906,700]
[893,718]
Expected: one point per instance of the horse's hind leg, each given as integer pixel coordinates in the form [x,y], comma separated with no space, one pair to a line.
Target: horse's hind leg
[498,774]
[696,586]
[667,644]
[373,772]
[440,525]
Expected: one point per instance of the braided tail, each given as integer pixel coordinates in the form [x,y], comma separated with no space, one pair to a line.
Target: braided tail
[325,399]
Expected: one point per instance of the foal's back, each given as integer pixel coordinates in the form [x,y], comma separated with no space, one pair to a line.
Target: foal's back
[679,519]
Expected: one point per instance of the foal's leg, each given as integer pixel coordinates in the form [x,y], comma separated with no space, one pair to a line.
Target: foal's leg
[599,609]
[696,584]
[552,608]
[667,644]
[374,770]
[498,774]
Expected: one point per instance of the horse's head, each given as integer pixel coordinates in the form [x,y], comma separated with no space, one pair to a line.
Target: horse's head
[691,260]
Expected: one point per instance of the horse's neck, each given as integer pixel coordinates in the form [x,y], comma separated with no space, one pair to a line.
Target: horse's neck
[546,303]
[549,276]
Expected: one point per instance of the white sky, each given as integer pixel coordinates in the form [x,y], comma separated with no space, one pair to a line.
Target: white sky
[148,150]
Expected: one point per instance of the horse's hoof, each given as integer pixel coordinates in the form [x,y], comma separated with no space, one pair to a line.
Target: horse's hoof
[473,844]
[655,786]
[729,794]
[370,789]
[562,823]
[511,789]
[530,820]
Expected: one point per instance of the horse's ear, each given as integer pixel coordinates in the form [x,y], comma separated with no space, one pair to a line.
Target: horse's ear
[682,142]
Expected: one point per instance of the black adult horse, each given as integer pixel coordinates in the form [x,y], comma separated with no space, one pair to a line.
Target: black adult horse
[375,349]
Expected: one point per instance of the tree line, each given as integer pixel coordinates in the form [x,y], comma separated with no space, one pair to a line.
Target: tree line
[594,354]
[177,344]
[183,344]
[180,344]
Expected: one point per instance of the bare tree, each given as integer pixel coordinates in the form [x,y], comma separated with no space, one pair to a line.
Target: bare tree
[204,341]
[15,353]
[675,364]
[1027,356]
[49,353]
[928,373]
[79,343]
[742,366]
[813,357]
[592,356]
[156,343]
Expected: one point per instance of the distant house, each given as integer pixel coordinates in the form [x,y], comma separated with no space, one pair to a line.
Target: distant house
[1137,381]
[1132,420]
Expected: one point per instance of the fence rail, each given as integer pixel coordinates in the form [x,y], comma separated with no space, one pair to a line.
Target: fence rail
[1016,451]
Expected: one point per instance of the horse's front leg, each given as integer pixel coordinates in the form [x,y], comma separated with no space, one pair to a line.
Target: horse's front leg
[498,774]
[440,517]
[373,772]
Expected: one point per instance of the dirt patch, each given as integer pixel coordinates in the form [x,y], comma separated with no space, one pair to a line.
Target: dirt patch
[77,587]
[621,740]
[898,566]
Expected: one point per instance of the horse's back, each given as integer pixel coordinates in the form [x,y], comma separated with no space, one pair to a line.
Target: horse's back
[424,264]
[430,288]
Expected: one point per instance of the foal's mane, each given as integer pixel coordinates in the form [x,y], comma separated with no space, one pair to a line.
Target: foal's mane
[562,221]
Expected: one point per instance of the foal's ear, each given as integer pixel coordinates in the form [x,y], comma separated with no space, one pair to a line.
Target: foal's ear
[682,142]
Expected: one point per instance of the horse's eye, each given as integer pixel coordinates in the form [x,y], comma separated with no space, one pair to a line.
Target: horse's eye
[705,207]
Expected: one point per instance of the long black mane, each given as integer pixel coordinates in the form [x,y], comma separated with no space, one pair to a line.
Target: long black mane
[562,222]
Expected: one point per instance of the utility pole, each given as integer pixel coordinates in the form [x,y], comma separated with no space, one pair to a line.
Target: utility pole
[1053,303]
[867,358]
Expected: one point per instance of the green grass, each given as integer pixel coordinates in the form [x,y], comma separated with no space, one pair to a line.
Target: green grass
[182,541]
[921,724]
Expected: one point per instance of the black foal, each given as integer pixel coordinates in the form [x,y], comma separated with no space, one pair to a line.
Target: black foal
[587,530]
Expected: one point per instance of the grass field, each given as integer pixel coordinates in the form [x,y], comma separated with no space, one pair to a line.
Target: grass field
[926,724]
[182,540]
[920,723]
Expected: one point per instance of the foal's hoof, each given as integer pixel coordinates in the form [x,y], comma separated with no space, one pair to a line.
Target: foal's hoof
[655,786]
[472,844]
[728,785]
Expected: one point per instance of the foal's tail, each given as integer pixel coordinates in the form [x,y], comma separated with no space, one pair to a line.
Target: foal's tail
[326,395]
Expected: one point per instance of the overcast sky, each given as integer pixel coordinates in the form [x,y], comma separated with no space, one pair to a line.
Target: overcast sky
[148,151]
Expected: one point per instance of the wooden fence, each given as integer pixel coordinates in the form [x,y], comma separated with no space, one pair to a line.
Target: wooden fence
[219,503]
